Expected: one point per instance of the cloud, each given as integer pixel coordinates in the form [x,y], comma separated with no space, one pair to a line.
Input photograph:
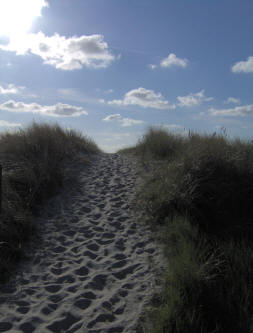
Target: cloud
[62,52]
[109,91]
[11,89]
[177,129]
[233,100]
[125,122]
[172,60]
[112,117]
[193,99]
[152,66]
[238,111]
[75,95]
[243,66]
[144,98]
[4,123]
[106,92]
[57,110]
[174,127]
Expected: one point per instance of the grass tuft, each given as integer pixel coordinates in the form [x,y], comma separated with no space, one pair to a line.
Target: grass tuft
[33,162]
[199,195]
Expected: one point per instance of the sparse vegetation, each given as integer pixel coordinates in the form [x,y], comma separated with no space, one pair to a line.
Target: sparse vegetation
[33,162]
[200,194]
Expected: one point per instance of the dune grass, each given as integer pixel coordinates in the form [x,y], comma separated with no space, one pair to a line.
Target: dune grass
[33,162]
[200,196]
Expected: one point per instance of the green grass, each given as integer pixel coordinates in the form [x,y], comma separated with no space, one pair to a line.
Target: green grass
[199,194]
[33,162]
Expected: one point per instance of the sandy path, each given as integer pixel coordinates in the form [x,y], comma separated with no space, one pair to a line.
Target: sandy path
[92,271]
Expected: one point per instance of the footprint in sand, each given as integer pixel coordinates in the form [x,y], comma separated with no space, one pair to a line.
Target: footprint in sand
[92,273]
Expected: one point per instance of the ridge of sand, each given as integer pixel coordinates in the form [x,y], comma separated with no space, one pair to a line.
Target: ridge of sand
[91,271]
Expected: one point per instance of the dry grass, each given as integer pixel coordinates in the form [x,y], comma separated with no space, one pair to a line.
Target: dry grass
[33,162]
[200,195]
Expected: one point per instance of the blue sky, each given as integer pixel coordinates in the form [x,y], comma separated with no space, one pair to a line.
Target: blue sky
[112,68]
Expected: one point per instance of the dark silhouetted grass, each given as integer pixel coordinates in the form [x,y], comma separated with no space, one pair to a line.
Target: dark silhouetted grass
[33,162]
[200,195]
[157,143]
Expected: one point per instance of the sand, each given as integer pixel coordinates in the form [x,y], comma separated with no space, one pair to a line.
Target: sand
[93,267]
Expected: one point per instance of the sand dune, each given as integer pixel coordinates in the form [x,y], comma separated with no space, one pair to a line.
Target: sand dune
[92,269]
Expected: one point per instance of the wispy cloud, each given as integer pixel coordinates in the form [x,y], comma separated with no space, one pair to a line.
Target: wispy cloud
[193,99]
[104,91]
[246,110]
[57,110]
[76,95]
[11,89]
[243,66]
[109,91]
[111,142]
[62,52]
[125,122]
[176,128]
[152,66]
[144,98]
[232,100]
[173,127]
[112,117]
[4,123]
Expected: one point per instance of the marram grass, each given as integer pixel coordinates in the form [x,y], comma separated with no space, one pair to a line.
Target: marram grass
[33,162]
[200,194]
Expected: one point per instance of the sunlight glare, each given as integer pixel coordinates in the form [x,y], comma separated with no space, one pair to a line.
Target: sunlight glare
[16,16]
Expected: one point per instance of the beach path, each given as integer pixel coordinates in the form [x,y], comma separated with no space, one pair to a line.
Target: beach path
[92,268]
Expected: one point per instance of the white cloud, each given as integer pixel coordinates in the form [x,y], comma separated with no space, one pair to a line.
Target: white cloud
[4,123]
[246,110]
[57,110]
[62,52]
[193,99]
[232,100]
[144,98]
[11,89]
[125,122]
[112,117]
[243,66]
[152,66]
[173,60]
